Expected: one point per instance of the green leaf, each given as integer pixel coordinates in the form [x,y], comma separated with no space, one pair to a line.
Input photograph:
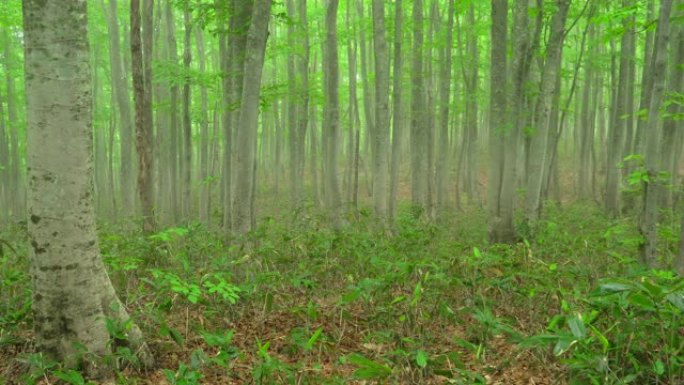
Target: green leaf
[659,368]
[70,377]
[563,345]
[421,359]
[614,287]
[642,301]
[367,368]
[314,337]
[577,326]
[477,253]
[677,300]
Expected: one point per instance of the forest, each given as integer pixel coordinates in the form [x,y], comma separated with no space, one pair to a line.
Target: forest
[342,192]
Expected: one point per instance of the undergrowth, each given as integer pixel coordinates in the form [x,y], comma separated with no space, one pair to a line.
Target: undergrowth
[296,302]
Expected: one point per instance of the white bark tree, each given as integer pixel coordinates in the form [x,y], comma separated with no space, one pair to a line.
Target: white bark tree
[72,294]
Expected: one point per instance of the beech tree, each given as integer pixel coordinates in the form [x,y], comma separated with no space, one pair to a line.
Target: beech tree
[72,294]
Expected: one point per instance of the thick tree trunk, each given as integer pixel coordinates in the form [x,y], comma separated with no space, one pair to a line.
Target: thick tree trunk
[72,294]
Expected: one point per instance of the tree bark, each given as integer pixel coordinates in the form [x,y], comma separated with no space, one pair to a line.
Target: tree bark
[418,114]
[187,122]
[381,110]
[123,103]
[72,294]
[141,56]
[653,186]
[397,110]
[622,113]
[500,227]
[538,156]
[331,111]
[249,114]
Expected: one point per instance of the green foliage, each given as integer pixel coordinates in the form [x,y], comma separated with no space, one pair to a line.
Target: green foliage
[629,332]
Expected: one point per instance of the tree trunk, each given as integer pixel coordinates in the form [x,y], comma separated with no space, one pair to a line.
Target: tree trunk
[303,118]
[418,114]
[249,114]
[123,103]
[397,110]
[141,56]
[443,122]
[72,294]
[173,134]
[538,156]
[500,227]
[204,136]
[292,111]
[381,110]
[331,111]
[622,113]
[18,194]
[653,186]
[187,123]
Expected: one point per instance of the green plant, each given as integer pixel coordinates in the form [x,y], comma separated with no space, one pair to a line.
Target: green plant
[631,332]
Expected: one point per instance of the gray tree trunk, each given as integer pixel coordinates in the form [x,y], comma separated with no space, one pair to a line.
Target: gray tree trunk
[141,56]
[187,122]
[18,194]
[174,132]
[444,107]
[652,189]
[331,113]
[72,294]
[622,112]
[538,156]
[123,103]
[249,114]
[292,113]
[204,198]
[397,110]
[418,113]
[500,227]
[381,110]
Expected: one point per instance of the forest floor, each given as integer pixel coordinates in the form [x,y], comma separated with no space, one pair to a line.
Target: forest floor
[299,303]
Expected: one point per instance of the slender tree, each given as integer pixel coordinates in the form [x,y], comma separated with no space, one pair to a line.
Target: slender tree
[380,163]
[331,111]
[397,110]
[418,112]
[249,114]
[141,55]
[652,186]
